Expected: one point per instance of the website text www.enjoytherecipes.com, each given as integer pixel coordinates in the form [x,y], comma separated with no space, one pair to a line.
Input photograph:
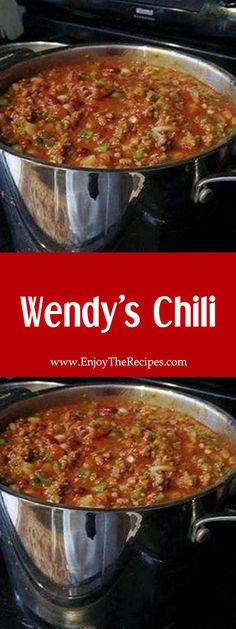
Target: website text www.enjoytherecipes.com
[117,362]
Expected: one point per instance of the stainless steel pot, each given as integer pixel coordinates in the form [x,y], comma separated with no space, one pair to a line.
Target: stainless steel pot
[65,208]
[63,560]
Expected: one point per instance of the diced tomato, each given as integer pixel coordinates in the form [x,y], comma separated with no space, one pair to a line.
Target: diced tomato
[101,432]
[60,112]
[143,114]
[56,452]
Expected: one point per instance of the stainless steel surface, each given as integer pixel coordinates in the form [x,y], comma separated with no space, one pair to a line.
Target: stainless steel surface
[77,209]
[203,190]
[34,386]
[63,560]
[35,46]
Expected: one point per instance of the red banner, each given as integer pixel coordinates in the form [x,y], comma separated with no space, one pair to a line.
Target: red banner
[111,314]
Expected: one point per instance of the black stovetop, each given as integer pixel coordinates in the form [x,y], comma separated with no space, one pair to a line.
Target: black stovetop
[199,596]
[211,227]
[203,599]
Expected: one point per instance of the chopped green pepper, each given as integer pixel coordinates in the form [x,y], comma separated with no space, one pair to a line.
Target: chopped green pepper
[219,131]
[21,130]
[152,435]
[139,154]
[114,434]
[96,422]
[2,441]
[158,442]
[83,473]
[40,480]
[154,97]
[57,465]
[172,436]
[118,94]
[103,148]
[60,126]
[99,488]
[44,141]
[175,97]
[136,493]
[40,140]
[86,134]
[3,101]
[99,83]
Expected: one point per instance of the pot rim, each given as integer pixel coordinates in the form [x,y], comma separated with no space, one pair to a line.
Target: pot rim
[30,43]
[140,170]
[164,505]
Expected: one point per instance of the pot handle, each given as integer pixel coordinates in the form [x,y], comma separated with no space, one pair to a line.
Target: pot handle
[199,530]
[202,191]
[11,394]
[12,55]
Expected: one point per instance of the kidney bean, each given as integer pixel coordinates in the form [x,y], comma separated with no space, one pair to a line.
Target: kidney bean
[81,491]
[29,458]
[50,439]
[76,103]
[53,100]
[114,70]
[25,142]
[109,409]
[73,443]
[83,151]
[22,482]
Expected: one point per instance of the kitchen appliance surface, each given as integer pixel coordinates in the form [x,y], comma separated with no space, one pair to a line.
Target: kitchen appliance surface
[203,18]
[138,598]
[207,227]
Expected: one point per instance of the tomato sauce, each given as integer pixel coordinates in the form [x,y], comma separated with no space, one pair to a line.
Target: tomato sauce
[113,112]
[111,453]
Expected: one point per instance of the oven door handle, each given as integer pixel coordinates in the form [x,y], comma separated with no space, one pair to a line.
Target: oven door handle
[200,531]
[202,191]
